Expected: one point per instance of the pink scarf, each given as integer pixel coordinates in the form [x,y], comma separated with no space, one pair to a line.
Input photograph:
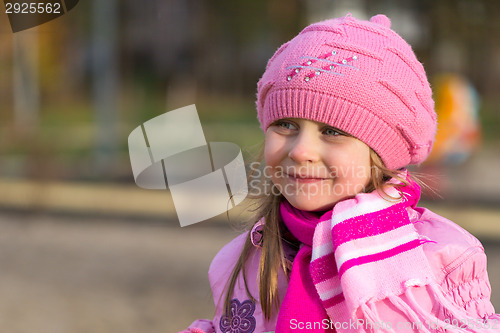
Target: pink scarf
[363,251]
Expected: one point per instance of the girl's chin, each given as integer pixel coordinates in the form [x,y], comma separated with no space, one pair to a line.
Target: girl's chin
[311,205]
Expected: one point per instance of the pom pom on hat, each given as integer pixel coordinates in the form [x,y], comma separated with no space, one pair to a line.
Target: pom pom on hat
[382,20]
[358,76]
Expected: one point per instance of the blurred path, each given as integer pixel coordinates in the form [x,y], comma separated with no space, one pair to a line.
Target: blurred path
[79,275]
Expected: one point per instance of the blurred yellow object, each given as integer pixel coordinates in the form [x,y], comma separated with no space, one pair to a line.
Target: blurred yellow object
[459,132]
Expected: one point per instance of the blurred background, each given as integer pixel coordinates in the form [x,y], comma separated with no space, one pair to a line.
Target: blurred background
[83,249]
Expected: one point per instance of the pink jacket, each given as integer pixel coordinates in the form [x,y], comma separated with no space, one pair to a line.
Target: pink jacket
[456,257]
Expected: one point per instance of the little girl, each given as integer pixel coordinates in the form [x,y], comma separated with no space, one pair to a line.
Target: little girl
[340,244]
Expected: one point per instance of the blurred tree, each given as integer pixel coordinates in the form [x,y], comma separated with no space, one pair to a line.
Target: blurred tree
[105,84]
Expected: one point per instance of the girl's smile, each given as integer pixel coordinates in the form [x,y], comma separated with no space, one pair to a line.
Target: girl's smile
[305,178]
[315,165]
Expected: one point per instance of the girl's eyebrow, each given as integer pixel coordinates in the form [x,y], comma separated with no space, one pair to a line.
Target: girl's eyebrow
[323,125]
[281,120]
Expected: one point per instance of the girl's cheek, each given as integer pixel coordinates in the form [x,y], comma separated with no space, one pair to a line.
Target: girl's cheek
[269,143]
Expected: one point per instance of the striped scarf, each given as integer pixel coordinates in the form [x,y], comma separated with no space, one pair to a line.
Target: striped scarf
[364,251]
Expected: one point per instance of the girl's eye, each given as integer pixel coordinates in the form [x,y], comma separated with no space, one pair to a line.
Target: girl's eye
[331,132]
[286,125]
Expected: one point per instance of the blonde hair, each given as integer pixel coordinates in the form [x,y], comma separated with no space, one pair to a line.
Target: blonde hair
[272,253]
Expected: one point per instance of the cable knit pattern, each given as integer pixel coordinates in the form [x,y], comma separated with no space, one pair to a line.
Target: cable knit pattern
[358,76]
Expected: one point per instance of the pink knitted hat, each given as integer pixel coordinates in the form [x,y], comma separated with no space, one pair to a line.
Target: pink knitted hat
[358,76]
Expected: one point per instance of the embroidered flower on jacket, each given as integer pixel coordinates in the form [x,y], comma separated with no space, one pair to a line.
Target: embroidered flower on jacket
[242,319]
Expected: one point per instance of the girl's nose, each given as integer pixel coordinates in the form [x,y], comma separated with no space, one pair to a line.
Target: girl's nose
[304,149]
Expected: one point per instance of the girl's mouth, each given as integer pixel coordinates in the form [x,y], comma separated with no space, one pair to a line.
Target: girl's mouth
[305,178]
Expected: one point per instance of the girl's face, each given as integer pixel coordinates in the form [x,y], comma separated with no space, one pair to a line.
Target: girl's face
[315,165]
